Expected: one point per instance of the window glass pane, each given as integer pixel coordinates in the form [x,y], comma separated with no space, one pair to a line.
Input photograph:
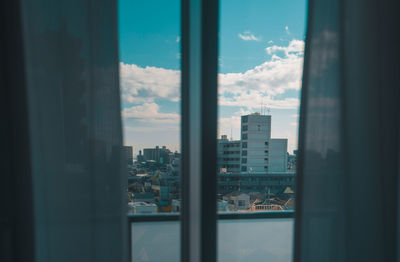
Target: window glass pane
[260,69]
[149,38]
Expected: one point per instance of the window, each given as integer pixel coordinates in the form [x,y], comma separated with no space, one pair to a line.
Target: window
[72,73]
[246,105]
[246,89]
[146,63]
[150,68]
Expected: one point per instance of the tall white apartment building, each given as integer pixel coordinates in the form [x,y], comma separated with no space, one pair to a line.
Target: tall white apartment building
[260,153]
[255,134]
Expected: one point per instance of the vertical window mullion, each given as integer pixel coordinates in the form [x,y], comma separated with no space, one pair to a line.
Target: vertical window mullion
[199,129]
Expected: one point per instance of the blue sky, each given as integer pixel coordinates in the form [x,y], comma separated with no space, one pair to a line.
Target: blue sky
[260,59]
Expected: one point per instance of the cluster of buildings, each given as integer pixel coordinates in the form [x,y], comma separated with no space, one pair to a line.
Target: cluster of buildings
[255,173]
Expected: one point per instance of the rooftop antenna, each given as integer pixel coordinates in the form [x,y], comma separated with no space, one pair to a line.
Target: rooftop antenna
[231,134]
[268,111]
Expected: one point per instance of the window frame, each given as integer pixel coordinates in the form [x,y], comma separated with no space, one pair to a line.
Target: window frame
[199,71]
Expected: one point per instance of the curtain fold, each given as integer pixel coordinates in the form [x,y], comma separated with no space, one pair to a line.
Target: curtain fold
[71,56]
[349,134]
[16,215]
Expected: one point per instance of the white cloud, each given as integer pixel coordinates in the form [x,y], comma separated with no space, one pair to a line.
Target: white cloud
[178,39]
[149,113]
[270,42]
[248,36]
[145,124]
[266,83]
[145,84]
[295,48]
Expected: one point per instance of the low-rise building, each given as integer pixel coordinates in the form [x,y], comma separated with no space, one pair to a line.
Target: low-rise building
[176,205]
[239,200]
[142,208]
[160,155]
[228,155]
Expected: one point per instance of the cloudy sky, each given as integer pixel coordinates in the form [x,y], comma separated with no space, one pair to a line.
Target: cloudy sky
[260,63]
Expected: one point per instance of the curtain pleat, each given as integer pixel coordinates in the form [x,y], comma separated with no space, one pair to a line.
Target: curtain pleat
[75,129]
[349,134]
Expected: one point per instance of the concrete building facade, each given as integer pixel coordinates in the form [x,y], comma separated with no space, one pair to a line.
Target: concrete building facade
[256,152]
[160,155]
[255,133]
[278,158]
[228,152]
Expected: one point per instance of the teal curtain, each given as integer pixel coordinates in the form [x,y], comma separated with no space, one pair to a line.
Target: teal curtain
[71,56]
[347,207]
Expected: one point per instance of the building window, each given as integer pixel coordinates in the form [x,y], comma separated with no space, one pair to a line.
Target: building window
[244,168]
[244,136]
[266,143]
[244,153]
[244,128]
[245,119]
[244,145]
[244,160]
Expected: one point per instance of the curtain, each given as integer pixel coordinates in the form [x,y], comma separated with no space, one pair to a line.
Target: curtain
[16,215]
[348,168]
[73,131]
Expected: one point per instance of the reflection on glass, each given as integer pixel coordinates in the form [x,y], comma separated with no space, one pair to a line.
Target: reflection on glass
[260,64]
[149,38]
[260,240]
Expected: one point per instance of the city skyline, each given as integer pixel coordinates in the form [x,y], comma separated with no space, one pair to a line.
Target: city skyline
[220,136]
[260,65]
